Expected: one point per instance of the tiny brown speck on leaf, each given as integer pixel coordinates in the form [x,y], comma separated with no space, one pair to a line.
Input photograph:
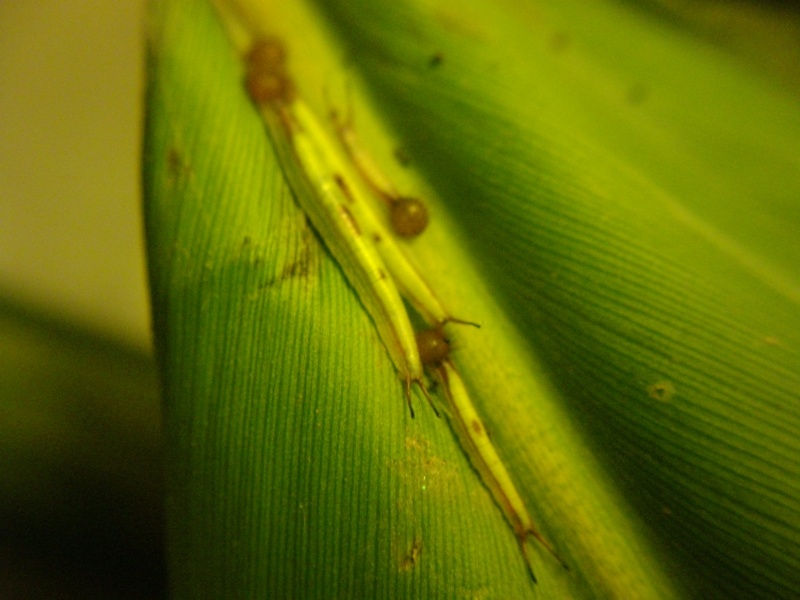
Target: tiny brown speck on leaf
[177,167]
[410,559]
[661,391]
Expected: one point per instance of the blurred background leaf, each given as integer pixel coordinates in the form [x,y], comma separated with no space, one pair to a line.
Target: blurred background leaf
[80,463]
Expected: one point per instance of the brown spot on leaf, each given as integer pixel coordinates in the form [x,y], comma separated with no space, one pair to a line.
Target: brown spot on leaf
[661,391]
[177,168]
[344,187]
[412,556]
[402,156]
[351,221]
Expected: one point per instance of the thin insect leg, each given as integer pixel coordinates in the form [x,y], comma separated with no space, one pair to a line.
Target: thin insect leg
[527,559]
[459,322]
[425,393]
[531,531]
[429,399]
[408,397]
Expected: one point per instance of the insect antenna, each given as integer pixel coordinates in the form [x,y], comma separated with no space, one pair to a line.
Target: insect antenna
[459,322]
[408,397]
[429,399]
[540,538]
[525,556]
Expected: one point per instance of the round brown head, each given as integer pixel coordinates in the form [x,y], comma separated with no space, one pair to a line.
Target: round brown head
[433,346]
[409,217]
[267,87]
[267,54]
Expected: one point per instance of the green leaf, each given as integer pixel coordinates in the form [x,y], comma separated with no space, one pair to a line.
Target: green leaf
[80,461]
[613,198]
